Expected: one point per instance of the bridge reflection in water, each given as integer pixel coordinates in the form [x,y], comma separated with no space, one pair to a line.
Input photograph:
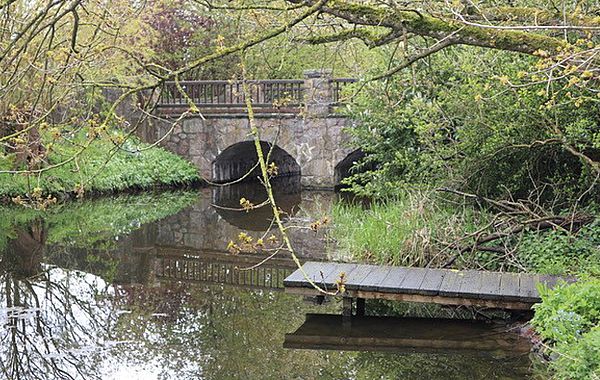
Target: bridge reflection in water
[242,270]
[226,202]
[191,246]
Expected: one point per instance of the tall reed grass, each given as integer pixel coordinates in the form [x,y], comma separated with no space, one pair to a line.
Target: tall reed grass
[413,229]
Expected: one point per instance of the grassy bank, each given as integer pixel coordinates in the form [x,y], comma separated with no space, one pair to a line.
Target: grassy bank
[420,228]
[406,230]
[132,167]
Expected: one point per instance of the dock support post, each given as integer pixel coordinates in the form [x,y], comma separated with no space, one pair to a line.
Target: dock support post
[360,307]
[319,300]
[346,311]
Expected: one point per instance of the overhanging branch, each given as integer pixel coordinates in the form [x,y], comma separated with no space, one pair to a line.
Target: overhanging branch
[429,26]
[370,37]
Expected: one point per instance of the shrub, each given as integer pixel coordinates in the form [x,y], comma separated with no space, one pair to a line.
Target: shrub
[580,359]
[569,316]
[567,311]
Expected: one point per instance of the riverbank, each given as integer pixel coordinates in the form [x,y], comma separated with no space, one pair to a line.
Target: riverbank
[102,168]
[424,229]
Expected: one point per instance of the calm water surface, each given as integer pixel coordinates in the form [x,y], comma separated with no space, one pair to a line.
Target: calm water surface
[142,287]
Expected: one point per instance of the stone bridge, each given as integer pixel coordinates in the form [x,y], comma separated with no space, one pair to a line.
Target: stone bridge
[297,121]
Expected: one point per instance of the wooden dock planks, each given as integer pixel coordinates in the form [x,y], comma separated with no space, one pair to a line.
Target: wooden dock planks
[444,286]
[371,283]
[432,282]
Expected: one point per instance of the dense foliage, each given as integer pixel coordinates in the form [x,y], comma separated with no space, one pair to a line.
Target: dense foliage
[570,315]
[459,121]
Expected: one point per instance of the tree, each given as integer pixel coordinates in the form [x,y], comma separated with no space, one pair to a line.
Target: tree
[564,43]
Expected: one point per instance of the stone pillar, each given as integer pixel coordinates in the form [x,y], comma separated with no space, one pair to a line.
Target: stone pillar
[318,95]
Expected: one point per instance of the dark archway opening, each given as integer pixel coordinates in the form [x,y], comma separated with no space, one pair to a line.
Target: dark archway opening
[238,159]
[348,166]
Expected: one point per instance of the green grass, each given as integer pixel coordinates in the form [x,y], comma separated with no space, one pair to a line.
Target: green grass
[404,231]
[154,167]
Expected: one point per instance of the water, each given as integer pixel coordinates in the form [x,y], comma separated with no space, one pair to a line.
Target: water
[143,287]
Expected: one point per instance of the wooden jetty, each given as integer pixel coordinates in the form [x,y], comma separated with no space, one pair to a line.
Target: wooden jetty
[406,335]
[498,290]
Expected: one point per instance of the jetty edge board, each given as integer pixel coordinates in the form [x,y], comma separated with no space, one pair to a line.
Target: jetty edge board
[501,290]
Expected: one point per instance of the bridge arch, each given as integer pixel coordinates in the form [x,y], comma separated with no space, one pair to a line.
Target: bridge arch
[345,167]
[238,159]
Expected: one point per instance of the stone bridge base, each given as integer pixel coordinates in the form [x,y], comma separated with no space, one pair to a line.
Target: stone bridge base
[222,149]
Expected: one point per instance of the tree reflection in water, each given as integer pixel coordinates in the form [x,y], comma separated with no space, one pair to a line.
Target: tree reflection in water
[53,318]
[58,323]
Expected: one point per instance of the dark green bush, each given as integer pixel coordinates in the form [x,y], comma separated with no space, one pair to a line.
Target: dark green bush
[581,359]
[569,317]
[568,311]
